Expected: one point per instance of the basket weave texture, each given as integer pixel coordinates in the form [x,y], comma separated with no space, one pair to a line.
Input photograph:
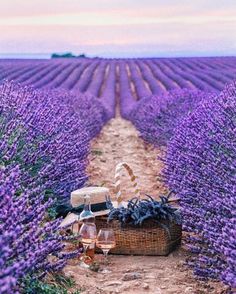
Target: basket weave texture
[148,239]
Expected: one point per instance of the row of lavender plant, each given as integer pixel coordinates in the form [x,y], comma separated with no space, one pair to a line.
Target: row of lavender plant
[26,240]
[44,145]
[149,76]
[96,83]
[127,100]
[108,91]
[135,75]
[166,81]
[160,109]
[150,79]
[201,169]
[199,131]
[157,116]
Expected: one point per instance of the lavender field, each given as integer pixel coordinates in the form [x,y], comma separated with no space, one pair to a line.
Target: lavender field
[51,110]
[122,82]
[145,76]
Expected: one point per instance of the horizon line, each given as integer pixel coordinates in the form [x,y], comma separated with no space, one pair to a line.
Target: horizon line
[108,56]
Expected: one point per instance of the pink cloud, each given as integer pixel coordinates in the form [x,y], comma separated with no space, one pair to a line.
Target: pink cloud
[57,25]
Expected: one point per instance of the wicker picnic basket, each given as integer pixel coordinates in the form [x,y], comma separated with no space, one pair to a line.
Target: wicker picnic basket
[148,239]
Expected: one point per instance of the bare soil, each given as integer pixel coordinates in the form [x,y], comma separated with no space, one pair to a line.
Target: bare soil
[119,141]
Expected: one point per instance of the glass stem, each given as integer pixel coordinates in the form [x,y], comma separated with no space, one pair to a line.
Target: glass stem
[105,252]
[85,249]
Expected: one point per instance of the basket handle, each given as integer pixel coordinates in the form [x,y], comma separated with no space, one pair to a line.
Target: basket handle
[118,170]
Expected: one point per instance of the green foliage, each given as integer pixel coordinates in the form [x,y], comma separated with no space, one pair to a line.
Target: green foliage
[60,285]
[64,281]
[40,287]
[52,213]
[96,152]
[139,211]
[67,55]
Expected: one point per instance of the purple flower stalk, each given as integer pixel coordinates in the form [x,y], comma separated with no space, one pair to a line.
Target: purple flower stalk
[201,169]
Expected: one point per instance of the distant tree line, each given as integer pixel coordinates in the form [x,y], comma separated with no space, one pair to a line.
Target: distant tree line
[67,55]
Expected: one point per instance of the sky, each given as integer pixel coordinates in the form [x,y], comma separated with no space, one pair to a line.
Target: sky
[118,28]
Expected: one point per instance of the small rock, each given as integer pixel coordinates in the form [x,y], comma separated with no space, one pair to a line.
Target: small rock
[128,270]
[145,270]
[150,277]
[113,283]
[158,291]
[161,275]
[163,287]
[131,276]
[69,273]
[125,287]
[106,290]
[188,290]
[145,286]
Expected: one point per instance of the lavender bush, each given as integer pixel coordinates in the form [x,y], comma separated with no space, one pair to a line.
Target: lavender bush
[49,134]
[201,169]
[90,111]
[45,139]
[108,93]
[43,152]
[156,117]
[127,100]
[149,76]
[26,240]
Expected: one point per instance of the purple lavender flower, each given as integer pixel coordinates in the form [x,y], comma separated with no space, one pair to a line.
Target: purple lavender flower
[201,168]
[43,154]
[156,117]
[26,240]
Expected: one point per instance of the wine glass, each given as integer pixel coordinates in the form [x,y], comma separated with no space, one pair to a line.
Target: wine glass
[88,233]
[106,241]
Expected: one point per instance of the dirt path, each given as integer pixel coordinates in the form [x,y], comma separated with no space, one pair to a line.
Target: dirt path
[117,142]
